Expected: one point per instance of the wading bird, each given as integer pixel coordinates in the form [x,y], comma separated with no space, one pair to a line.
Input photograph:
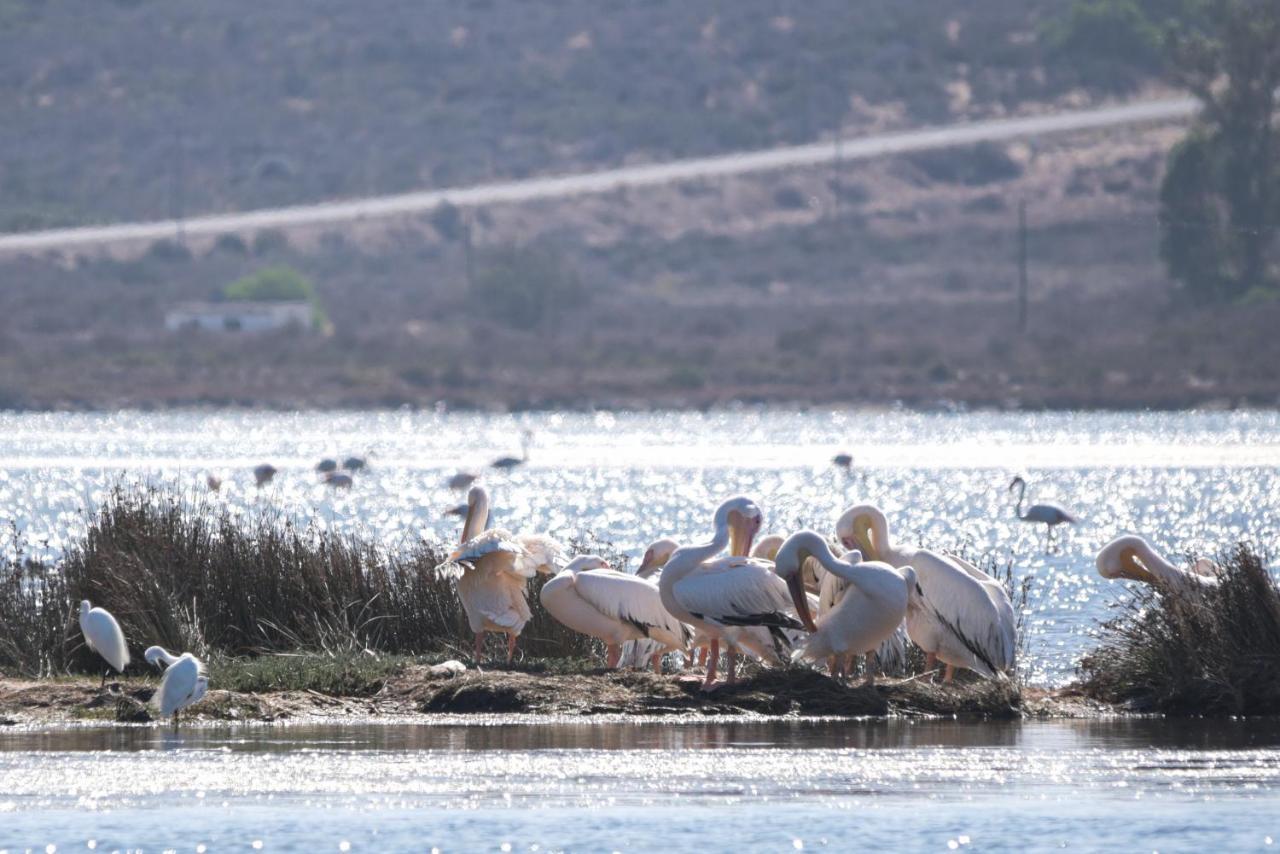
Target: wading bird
[868,612]
[263,474]
[655,558]
[956,618]
[462,480]
[338,480]
[212,481]
[590,597]
[184,682]
[326,466]
[508,463]
[495,567]
[1048,514]
[103,635]
[727,597]
[355,464]
[1132,557]
[843,461]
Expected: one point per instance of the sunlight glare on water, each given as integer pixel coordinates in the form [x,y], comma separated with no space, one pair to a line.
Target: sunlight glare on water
[1190,482]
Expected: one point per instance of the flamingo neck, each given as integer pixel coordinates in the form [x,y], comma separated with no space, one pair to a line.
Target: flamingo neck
[1022,492]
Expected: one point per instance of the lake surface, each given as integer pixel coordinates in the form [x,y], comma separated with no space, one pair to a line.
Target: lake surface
[780,786]
[1190,482]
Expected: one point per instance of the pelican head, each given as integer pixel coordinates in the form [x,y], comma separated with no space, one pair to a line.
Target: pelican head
[656,557]
[915,593]
[582,563]
[791,556]
[865,528]
[1017,482]
[767,548]
[1128,556]
[743,519]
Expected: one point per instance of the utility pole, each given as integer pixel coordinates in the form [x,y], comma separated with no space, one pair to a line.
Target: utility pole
[1022,266]
[467,250]
[178,203]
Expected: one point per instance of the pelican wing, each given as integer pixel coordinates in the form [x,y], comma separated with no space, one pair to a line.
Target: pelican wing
[1004,607]
[964,607]
[538,553]
[738,591]
[485,544]
[631,600]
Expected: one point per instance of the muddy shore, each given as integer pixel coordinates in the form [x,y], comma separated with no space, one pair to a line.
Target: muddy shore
[421,692]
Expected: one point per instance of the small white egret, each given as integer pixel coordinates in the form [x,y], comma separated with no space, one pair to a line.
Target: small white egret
[184,682]
[103,635]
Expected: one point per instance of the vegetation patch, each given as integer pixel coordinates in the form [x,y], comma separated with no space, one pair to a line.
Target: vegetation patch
[1211,651]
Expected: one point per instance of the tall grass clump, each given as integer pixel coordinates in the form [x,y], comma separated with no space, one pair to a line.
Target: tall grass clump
[1214,651]
[190,575]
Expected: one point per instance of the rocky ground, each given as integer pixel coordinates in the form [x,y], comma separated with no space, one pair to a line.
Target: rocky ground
[426,691]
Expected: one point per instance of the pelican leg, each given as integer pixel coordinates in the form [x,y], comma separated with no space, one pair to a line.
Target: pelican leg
[702,656]
[479,647]
[613,654]
[847,670]
[951,674]
[869,668]
[713,657]
[103,683]
[175,720]
[511,647]
[731,666]
[833,666]
[930,661]
[657,663]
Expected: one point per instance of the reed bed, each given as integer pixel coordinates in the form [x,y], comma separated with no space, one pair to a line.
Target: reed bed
[189,575]
[1206,652]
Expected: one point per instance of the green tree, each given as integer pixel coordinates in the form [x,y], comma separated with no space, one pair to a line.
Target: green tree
[1220,201]
[278,284]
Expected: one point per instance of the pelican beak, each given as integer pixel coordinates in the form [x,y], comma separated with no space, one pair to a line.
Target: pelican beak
[739,540]
[455,555]
[646,563]
[795,586]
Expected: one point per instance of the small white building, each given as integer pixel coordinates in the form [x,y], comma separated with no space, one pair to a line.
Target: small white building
[238,316]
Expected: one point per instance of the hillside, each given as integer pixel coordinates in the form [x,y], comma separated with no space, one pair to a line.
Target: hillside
[119,110]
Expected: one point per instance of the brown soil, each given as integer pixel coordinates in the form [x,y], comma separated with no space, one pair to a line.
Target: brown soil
[424,692]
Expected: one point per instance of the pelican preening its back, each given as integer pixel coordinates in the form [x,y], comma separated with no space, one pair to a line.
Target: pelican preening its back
[1132,557]
[868,610]
[957,614]
[727,597]
[590,597]
[184,682]
[103,635]
[495,569]
[1049,514]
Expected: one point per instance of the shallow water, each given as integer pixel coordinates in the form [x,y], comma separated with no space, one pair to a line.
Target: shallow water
[1191,482]
[1119,785]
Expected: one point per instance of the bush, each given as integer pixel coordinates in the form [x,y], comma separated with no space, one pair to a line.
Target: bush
[522,286]
[974,166]
[273,284]
[1110,44]
[191,576]
[1212,651]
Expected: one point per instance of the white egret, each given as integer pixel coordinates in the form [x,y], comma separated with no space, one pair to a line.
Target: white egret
[184,682]
[103,635]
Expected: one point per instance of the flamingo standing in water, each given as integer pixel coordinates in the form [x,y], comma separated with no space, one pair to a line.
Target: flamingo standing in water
[961,616]
[725,598]
[508,463]
[590,597]
[1048,514]
[496,566]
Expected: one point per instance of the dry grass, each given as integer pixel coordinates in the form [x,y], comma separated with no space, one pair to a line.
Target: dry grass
[190,576]
[1210,652]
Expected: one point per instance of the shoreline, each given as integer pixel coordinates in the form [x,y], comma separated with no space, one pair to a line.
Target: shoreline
[430,694]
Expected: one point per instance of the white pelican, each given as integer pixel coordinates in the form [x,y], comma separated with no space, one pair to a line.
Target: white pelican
[508,463]
[869,611]
[1048,514]
[891,655]
[103,635]
[496,567]
[1132,557]
[766,547]
[729,597]
[655,558]
[590,597]
[955,618]
[262,474]
[184,682]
